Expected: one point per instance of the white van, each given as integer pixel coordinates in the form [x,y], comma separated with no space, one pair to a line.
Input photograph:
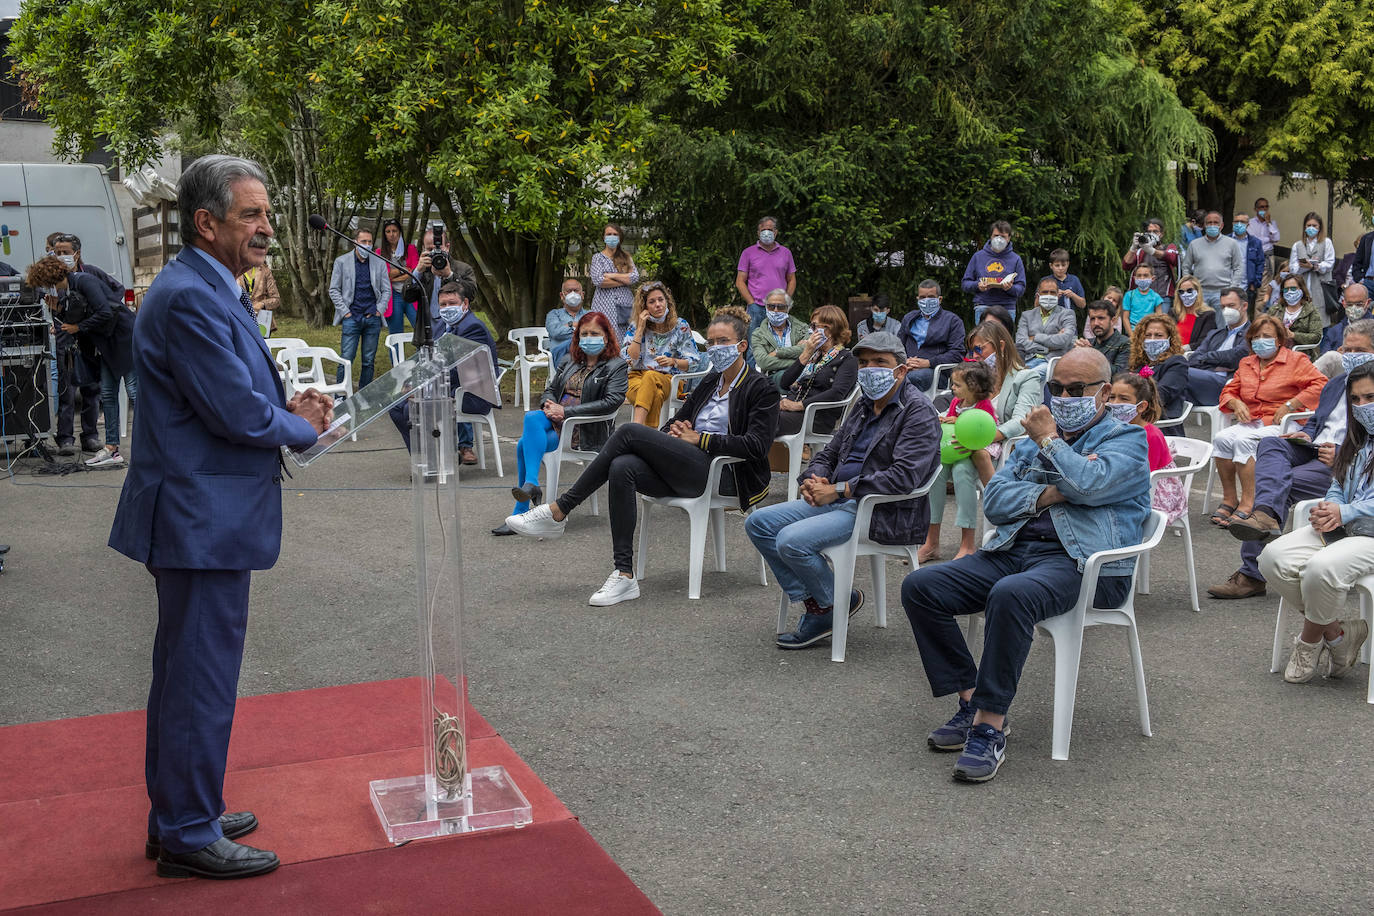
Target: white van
[39,198]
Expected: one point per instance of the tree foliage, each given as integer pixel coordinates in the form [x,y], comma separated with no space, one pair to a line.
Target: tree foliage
[1283,84]
[880,127]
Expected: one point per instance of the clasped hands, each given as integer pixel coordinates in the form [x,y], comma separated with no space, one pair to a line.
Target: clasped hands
[817,491]
[681,429]
[1326,516]
[315,407]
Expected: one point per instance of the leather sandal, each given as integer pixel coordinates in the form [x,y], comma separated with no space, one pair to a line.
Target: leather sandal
[1218,519]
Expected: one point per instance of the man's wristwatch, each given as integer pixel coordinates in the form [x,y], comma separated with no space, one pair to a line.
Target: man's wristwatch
[1045,442]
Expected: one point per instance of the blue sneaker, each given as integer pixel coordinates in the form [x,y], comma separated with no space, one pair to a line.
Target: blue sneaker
[811,629]
[983,754]
[953,734]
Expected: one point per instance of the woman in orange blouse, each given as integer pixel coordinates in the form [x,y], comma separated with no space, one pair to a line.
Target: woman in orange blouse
[1272,381]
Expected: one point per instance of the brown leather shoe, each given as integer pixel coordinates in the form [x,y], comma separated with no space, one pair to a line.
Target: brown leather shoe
[1238,586]
[1260,526]
[467,456]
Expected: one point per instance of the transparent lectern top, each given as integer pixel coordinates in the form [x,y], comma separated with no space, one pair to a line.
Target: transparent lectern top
[471,360]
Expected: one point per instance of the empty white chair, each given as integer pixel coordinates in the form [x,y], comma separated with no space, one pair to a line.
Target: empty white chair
[796,442]
[306,367]
[844,557]
[553,461]
[276,345]
[481,422]
[1363,591]
[531,352]
[1190,455]
[1067,632]
[395,346]
[706,510]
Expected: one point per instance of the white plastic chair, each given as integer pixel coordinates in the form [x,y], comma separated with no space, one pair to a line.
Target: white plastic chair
[1067,632]
[934,390]
[479,421]
[1196,454]
[674,401]
[1309,349]
[1178,421]
[1363,590]
[528,359]
[277,344]
[305,368]
[1215,420]
[796,442]
[844,557]
[395,346]
[706,510]
[1294,422]
[554,460]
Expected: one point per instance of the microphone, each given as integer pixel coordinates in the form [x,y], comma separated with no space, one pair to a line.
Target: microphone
[424,330]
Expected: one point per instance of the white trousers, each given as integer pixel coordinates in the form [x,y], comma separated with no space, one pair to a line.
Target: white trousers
[1315,578]
[1240,442]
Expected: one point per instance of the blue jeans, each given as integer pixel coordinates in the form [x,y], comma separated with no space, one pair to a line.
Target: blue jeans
[109,398]
[978,311]
[354,329]
[538,439]
[791,536]
[1015,589]
[401,311]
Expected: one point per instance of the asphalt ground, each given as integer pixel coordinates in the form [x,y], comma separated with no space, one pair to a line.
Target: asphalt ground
[726,776]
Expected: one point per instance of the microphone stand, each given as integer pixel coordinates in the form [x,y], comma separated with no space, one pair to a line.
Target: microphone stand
[424,328]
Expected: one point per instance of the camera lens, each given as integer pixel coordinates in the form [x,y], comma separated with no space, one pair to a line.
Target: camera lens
[438,259]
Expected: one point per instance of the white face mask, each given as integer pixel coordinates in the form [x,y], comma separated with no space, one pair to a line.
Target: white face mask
[1047,302]
[68,261]
[998,243]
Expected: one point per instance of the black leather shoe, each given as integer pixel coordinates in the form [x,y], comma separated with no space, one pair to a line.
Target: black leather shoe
[531,493]
[222,859]
[502,530]
[233,826]
[66,449]
[90,445]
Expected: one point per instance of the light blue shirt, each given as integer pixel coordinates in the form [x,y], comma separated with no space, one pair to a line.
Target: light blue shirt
[1356,495]
[919,329]
[229,279]
[714,416]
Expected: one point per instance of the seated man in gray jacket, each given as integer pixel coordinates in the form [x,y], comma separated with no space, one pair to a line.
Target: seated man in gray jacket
[1047,330]
[889,443]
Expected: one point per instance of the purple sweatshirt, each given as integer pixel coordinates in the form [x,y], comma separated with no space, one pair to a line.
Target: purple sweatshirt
[988,263]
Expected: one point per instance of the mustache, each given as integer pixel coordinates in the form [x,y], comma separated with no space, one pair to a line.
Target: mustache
[259,240]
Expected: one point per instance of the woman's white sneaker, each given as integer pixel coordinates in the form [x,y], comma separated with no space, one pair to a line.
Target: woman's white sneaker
[618,588]
[107,457]
[537,523]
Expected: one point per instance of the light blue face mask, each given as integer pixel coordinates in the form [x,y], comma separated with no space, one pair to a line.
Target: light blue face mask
[928,305]
[1349,361]
[1213,231]
[591,345]
[572,300]
[612,241]
[878,318]
[1292,295]
[1364,415]
[1073,414]
[1310,232]
[1155,348]
[451,314]
[876,381]
[1123,412]
[767,236]
[722,356]
[1264,347]
[1239,229]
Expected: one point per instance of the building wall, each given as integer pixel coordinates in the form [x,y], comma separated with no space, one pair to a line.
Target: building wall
[1310,196]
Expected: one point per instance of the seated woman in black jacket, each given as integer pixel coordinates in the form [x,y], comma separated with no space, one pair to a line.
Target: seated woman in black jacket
[1157,351]
[591,379]
[732,412]
[825,371]
[105,328]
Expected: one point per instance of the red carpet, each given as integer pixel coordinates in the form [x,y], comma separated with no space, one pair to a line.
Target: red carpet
[73,810]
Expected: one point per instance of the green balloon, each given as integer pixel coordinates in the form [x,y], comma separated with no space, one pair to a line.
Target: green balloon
[948,455]
[975,429]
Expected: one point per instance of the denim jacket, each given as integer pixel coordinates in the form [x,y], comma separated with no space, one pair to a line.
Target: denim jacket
[1355,495]
[1104,475]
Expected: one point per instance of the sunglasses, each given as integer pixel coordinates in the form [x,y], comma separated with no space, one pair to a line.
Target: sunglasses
[776,306]
[652,284]
[1073,390]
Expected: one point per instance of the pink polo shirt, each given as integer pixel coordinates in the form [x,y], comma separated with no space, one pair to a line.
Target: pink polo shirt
[765,271]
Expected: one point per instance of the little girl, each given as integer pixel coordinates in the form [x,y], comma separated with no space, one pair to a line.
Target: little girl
[1135,400]
[971,385]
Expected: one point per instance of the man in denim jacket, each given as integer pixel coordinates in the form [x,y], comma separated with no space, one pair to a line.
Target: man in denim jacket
[1080,484]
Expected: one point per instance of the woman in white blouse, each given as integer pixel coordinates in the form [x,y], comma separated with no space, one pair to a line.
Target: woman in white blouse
[1313,258]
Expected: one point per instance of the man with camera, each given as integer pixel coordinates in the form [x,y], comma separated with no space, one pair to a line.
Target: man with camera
[438,267]
[1162,259]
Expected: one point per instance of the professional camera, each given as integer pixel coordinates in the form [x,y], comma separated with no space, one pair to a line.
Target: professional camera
[438,260]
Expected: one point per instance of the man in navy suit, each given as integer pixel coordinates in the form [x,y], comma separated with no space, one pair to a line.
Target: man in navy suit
[455,317]
[931,335]
[201,506]
[1289,470]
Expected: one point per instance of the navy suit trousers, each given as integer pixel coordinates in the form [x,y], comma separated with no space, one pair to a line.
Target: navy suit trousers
[1285,473]
[202,615]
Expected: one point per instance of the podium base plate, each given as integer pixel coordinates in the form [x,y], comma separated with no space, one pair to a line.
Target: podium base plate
[408,810]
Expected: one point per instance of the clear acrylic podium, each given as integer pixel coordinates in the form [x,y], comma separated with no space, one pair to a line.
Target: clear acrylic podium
[448,797]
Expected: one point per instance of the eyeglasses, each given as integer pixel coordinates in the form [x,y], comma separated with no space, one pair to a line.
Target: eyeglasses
[776,306]
[652,284]
[979,349]
[1073,390]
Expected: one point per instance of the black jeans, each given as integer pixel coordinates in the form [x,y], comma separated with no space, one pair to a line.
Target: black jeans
[67,390]
[639,459]
[1015,589]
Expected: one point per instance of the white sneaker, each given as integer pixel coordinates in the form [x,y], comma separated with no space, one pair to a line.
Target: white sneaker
[1304,662]
[537,523]
[107,457]
[1346,654]
[618,588]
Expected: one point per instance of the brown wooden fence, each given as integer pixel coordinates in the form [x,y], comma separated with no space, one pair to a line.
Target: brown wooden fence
[156,238]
